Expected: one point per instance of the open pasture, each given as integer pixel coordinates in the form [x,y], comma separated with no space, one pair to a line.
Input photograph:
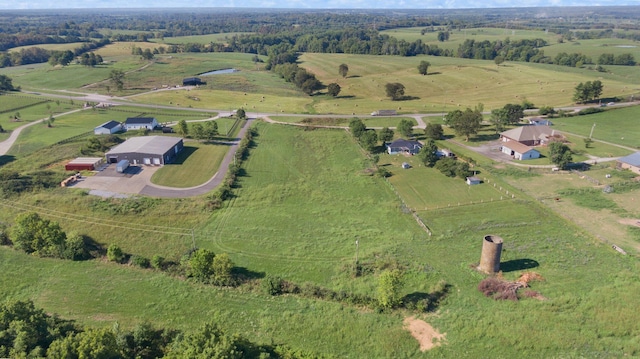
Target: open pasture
[308,199]
[51,47]
[458,36]
[619,126]
[594,48]
[302,203]
[200,39]
[452,83]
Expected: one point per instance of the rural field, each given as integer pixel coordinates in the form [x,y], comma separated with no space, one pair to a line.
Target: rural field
[309,206]
[303,202]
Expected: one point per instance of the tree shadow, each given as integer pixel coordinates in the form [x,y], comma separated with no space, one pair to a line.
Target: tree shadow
[426,302]
[92,248]
[407,98]
[353,76]
[346,96]
[4,159]
[244,274]
[518,264]
[485,137]
[434,73]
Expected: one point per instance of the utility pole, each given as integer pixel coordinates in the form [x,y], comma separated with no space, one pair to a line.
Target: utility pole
[592,127]
[357,248]
[193,238]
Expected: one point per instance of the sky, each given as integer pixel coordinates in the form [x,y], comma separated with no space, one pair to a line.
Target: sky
[304,4]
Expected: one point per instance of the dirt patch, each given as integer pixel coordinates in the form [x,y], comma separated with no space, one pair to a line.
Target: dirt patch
[630,221]
[424,333]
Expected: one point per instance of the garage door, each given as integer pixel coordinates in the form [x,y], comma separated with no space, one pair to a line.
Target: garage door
[146,161]
[156,161]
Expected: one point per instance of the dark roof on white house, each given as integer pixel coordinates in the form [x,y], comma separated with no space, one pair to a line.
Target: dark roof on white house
[156,145]
[402,143]
[633,159]
[109,125]
[139,120]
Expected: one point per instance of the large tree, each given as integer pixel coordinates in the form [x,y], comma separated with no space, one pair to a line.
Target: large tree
[587,91]
[434,131]
[357,127]
[343,70]
[465,123]
[423,67]
[560,154]
[369,140]
[509,114]
[182,128]
[333,89]
[37,235]
[394,90]
[386,134]
[117,78]
[405,127]
[429,153]
[5,83]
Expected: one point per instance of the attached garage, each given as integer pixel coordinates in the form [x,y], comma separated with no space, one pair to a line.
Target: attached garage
[147,150]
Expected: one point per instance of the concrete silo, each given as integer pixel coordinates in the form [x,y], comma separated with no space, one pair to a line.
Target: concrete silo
[491,250]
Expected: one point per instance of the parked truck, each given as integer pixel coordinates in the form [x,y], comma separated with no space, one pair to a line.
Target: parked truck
[384,113]
[122,166]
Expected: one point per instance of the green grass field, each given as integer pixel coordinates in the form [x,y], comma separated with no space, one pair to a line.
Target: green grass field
[51,47]
[301,205]
[617,126]
[195,165]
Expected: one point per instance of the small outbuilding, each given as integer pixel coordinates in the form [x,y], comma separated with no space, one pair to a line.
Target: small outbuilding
[631,162]
[402,146]
[83,164]
[192,81]
[140,123]
[473,180]
[146,150]
[108,128]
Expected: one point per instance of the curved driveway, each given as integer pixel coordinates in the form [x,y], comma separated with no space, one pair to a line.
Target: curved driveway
[171,192]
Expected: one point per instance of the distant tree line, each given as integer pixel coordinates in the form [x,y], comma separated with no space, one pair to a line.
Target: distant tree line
[34,55]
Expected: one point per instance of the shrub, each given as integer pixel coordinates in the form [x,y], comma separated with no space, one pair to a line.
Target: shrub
[140,261]
[74,247]
[157,262]
[272,285]
[114,253]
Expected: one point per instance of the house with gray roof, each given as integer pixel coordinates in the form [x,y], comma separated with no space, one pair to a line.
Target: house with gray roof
[146,150]
[402,146]
[108,128]
[631,162]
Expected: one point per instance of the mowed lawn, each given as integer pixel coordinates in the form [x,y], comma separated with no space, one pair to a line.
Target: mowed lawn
[195,165]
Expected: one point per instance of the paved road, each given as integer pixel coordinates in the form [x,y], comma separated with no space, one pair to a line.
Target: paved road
[5,145]
[169,192]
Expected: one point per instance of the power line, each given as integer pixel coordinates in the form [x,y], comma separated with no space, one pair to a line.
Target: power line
[68,216]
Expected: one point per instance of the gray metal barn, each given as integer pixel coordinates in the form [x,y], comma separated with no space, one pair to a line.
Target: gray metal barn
[147,150]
